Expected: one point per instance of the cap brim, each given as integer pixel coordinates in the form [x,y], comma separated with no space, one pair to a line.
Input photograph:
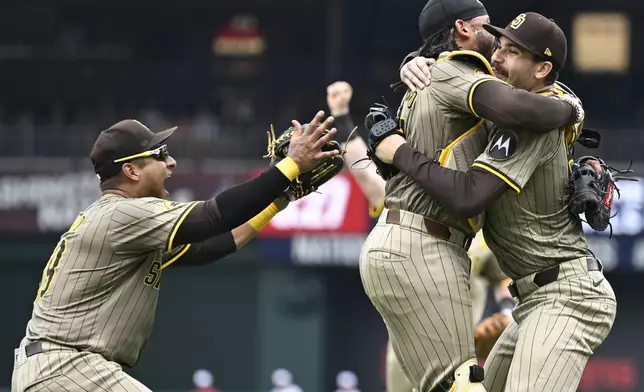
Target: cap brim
[160,138]
[500,32]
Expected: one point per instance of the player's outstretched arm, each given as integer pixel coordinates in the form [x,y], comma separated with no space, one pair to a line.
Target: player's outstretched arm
[222,245]
[238,204]
[372,185]
[459,87]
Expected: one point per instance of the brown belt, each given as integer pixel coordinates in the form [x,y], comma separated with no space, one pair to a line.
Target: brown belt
[434,228]
[551,274]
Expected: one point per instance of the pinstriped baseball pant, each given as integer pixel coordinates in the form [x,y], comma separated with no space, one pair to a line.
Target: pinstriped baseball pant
[420,286]
[63,369]
[557,328]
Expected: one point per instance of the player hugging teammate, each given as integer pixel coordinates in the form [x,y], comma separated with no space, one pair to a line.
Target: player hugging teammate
[525,181]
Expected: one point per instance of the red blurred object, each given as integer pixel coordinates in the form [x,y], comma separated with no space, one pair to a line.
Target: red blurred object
[339,207]
[610,374]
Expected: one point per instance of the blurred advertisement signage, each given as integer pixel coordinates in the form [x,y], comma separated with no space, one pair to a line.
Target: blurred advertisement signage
[324,228]
[338,207]
[50,203]
[327,227]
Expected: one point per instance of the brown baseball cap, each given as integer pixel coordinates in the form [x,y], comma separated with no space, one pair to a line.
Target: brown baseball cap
[537,34]
[123,139]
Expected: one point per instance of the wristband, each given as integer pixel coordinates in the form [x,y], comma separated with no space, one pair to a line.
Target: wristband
[289,168]
[260,220]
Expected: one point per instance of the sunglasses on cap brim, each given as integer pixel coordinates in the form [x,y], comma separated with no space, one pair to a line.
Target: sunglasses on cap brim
[160,153]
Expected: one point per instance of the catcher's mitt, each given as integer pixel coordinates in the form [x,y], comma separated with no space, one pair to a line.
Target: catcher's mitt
[381,123]
[487,332]
[310,181]
[592,187]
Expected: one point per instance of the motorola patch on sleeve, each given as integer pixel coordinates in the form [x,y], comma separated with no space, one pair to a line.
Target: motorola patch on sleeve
[503,145]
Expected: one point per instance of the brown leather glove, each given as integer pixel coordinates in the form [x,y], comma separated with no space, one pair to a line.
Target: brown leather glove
[487,332]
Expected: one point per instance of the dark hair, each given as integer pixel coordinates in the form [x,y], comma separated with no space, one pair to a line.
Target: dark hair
[552,77]
[443,41]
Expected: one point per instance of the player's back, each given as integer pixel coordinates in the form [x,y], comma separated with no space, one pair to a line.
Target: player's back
[533,229]
[93,297]
[438,122]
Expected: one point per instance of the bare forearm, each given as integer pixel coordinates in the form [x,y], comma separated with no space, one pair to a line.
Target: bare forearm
[243,234]
[371,184]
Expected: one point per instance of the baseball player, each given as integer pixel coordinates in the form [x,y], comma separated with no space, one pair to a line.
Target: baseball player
[566,306]
[414,264]
[485,269]
[95,305]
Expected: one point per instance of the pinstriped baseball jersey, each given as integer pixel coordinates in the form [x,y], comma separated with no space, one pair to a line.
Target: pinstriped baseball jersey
[439,118]
[529,228]
[100,287]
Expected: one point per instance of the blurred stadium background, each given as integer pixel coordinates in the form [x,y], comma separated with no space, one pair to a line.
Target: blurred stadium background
[223,71]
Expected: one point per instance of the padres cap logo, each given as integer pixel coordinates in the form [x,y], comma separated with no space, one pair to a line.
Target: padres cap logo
[518,21]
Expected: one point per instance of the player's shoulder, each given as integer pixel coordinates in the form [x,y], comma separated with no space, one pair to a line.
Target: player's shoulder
[462,62]
[138,207]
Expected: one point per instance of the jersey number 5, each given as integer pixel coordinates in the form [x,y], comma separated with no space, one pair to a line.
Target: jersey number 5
[54,261]
[153,277]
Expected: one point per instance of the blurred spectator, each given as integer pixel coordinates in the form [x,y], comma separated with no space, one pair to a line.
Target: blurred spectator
[205,126]
[283,381]
[203,381]
[347,381]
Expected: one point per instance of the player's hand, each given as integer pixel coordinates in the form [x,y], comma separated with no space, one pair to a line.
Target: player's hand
[338,97]
[306,147]
[415,74]
[596,165]
[386,149]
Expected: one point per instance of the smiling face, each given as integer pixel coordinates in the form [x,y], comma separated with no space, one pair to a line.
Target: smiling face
[518,66]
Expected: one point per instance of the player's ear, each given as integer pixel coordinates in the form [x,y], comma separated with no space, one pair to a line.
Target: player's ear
[462,29]
[130,171]
[542,69]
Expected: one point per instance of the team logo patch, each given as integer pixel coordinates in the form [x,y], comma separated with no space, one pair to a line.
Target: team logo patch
[518,21]
[503,145]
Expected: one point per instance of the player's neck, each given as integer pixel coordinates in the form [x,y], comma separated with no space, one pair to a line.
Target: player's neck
[541,88]
[118,192]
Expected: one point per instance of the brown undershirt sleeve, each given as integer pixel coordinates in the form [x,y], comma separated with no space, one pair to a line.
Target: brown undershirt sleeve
[509,107]
[465,194]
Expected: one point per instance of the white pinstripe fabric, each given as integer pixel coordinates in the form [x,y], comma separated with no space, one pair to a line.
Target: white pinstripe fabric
[420,286]
[64,369]
[558,327]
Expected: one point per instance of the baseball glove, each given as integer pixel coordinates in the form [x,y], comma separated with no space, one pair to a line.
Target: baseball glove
[487,332]
[381,123]
[310,181]
[591,190]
